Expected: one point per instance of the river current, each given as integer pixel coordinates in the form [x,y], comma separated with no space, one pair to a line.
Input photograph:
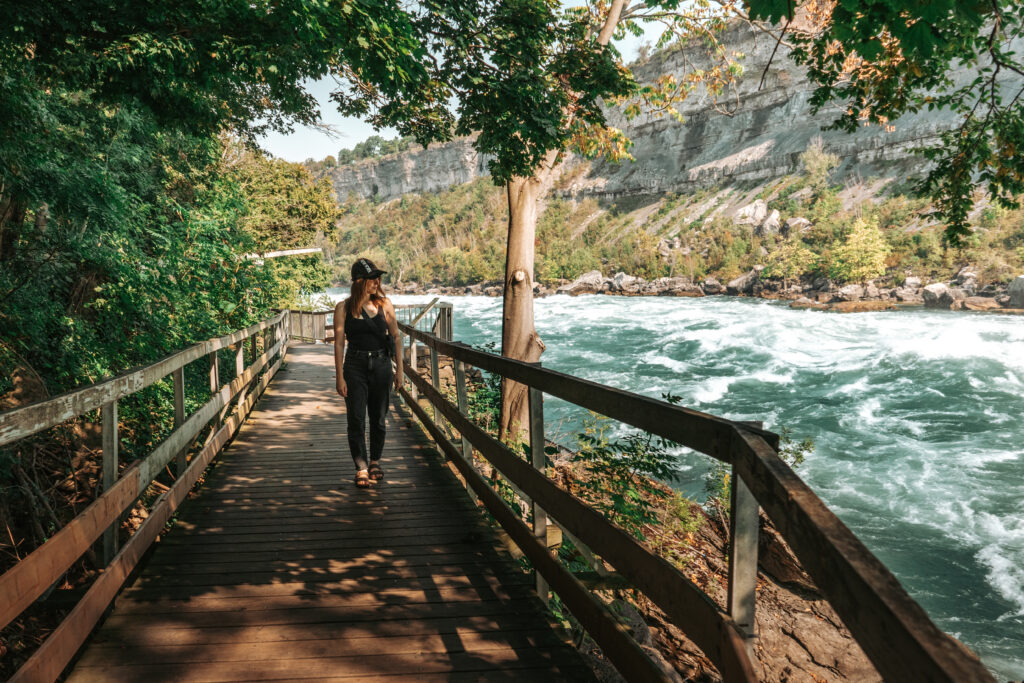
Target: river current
[916,417]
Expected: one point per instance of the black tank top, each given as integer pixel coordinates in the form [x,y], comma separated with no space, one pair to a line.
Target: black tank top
[366,334]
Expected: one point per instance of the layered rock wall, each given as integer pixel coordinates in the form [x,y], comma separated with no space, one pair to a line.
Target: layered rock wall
[751,135]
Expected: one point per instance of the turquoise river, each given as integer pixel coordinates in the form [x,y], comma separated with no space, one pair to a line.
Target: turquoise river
[916,417]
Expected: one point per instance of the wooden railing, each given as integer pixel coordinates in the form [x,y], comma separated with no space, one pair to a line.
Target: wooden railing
[892,629]
[32,576]
[313,326]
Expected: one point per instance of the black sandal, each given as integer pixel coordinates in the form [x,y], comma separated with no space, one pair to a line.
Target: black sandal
[376,473]
[362,480]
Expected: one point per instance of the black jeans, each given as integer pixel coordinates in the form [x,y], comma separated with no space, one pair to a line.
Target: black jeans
[369,388]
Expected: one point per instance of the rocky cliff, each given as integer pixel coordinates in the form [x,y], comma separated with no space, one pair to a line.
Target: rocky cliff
[759,136]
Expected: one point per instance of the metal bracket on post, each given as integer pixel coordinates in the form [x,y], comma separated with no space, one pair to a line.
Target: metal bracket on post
[744,526]
[462,396]
[537,443]
[108,415]
[178,377]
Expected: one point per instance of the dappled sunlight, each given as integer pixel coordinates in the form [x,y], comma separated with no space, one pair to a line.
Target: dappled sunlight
[281,568]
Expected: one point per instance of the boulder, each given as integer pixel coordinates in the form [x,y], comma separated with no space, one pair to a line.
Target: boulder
[980,303]
[744,284]
[804,302]
[588,283]
[1016,292]
[621,282]
[860,306]
[752,214]
[850,293]
[770,225]
[797,224]
[908,296]
[872,292]
[912,283]
[712,286]
[472,290]
[939,295]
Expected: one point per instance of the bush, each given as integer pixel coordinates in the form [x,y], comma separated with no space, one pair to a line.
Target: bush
[862,255]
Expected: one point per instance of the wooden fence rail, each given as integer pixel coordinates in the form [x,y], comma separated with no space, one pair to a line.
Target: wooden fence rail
[33,575]
[892,629]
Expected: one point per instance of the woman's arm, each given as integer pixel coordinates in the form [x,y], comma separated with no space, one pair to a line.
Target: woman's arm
[339,348]
[392,321]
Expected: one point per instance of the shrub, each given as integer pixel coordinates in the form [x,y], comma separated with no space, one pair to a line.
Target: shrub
[862,255]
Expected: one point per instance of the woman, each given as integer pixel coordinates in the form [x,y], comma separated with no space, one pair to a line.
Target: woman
[362,323]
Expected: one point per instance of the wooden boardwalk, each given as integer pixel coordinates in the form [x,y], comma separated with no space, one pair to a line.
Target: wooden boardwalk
[280,569]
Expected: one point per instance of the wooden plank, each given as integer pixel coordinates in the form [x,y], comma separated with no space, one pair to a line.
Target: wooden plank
[684,603]
[894,631]
[17,424]
[373,643]
[405,664]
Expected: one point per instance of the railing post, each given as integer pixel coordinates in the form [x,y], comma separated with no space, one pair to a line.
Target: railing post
[462,396]
[178,377]
[239,369]
[744,526]
[435,380]
[537,443]
[412,367]
[108,415]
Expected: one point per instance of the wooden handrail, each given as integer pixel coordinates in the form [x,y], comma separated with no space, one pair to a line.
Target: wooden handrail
[31,577]
[688,607]
[25,421]
[892,629]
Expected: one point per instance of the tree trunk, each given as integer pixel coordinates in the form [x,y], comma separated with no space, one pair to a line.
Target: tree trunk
[519,339]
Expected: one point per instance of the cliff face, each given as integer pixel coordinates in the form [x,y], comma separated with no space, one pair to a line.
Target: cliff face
[766,127]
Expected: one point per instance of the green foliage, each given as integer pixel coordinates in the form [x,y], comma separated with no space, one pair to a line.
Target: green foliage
[484,401]
[875,60]
[790,260]
[717,480]
[818,165]
[619,474]
[862,254]
[285,207]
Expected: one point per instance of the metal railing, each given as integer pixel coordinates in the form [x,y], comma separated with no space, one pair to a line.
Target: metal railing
[34,574]
[892,629]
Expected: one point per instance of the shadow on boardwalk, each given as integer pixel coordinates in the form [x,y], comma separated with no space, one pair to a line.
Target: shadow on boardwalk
[280,569]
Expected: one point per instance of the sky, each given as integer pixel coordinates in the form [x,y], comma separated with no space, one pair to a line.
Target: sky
[314,143]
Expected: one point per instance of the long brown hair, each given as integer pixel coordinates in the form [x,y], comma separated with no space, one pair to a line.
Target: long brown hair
[356,295]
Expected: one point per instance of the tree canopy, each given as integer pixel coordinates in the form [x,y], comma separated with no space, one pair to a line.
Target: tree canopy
[879,59]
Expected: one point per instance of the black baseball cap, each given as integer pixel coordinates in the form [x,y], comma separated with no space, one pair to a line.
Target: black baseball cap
[364,268]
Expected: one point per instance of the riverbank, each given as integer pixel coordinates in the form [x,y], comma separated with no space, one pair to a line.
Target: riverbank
[961,293]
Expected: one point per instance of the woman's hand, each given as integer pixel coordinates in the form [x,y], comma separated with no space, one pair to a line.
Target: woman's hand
[398,383]
[342,387]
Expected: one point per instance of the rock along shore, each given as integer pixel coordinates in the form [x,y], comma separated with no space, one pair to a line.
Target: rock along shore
[961,293]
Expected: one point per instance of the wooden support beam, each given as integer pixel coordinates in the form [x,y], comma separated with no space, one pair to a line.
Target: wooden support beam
[179,415]
[108,415]
[537,444]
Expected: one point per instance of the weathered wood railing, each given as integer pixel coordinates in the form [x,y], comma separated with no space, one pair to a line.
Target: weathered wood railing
[892,629]
[317,325]
[32,576]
